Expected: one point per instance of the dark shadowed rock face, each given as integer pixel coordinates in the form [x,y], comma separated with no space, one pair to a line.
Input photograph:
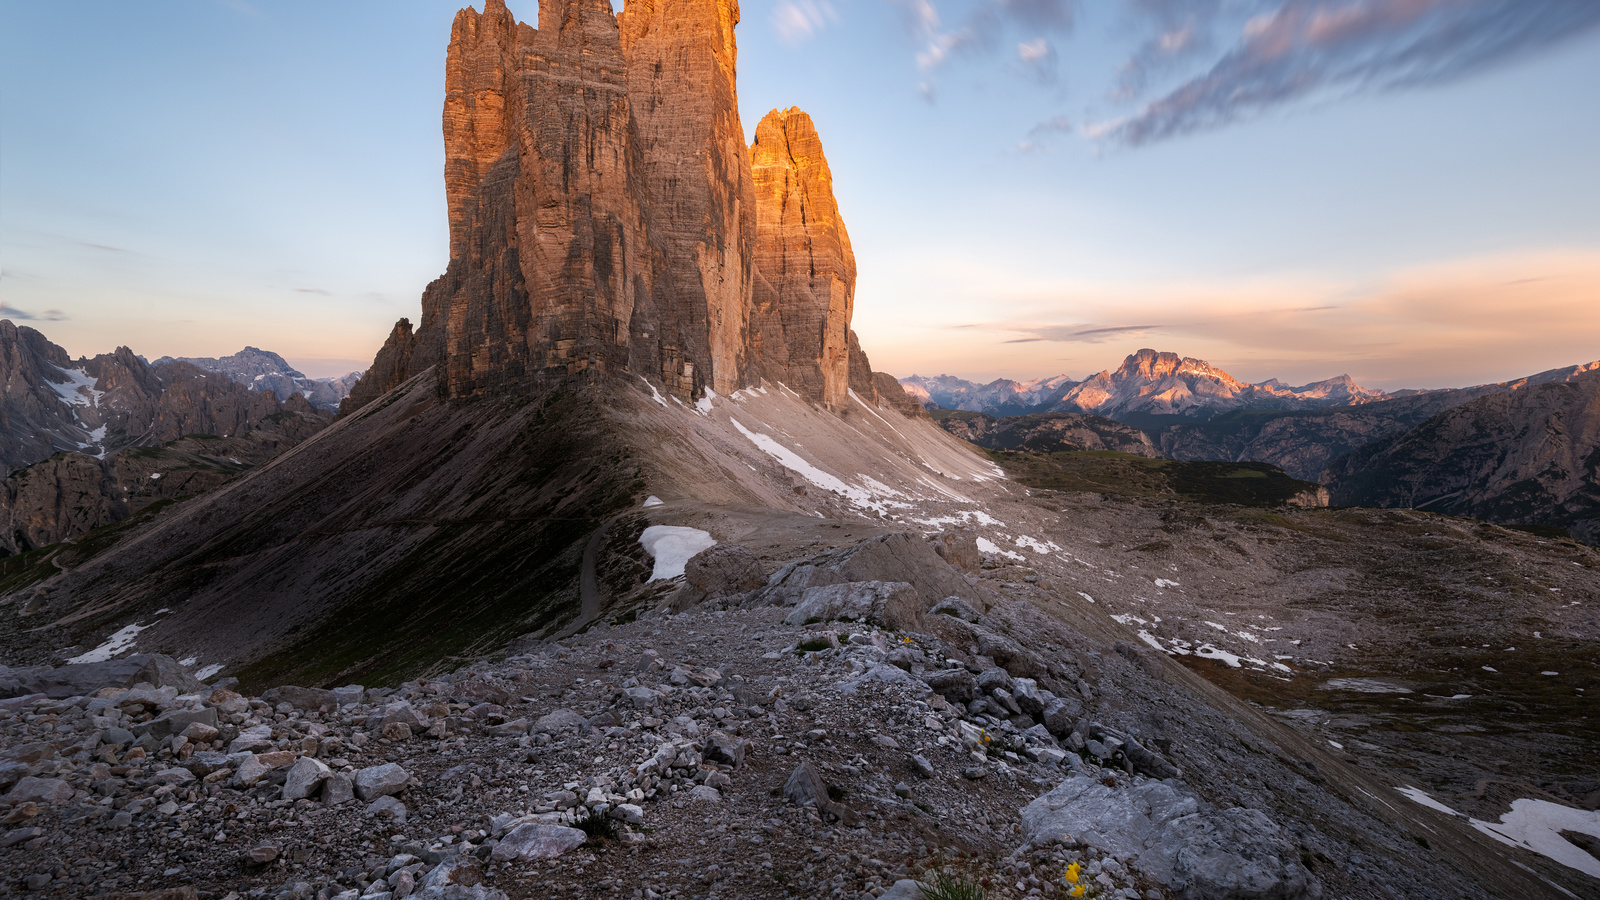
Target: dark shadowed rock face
[1527,457]
[1047,433]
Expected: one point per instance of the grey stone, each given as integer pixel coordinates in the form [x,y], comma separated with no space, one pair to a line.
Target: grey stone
[305,776]
[533,841]
[390,807]
[956,607]
[923,767]
[380,781]
[350,693]
[559,720]
[306,699]
[955,685]
[705,793]
[890,604]
[1232,854]
[726,748]
[175,721]
[173,776]
[904,889]
[457,870]
[1122,821]
[641,697]
[991,680]
[39,790]
[720,571]
[117,737]
[86,678]
[338,789]
[1061,715]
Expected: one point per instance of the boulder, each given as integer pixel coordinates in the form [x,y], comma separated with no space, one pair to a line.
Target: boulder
[1061,714]
[991,680]
[1121,821]
[719,571]
[534,841]
[306,699]
[726,748]
[338,789]
[1232,855]
[39,790]
[380,781]
[305,777]
[86,678]
[176,721]
[559,720]
[960,549]
[955,685]
[888,604]
[957,608]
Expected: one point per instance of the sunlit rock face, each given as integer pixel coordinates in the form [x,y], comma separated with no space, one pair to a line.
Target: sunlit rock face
[806,291]
[606,216]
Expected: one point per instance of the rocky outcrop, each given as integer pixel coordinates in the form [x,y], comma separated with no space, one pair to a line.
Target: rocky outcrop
[71,494]
[1048,433]
[40,393]
[1530,456]
[682,72]
[605,218]
[805,295]
[1001,397]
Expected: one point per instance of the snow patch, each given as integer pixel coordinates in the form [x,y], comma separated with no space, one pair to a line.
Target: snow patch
[1037,546]
[1164,583]
[1537,825]
[861,497]
[988,546]
[672,546]
[188,661]
[1085,596]
[115,645]
[703,405]
[654,394]
[653,500]
[207,673]
[1207,651]
[78,390]
[1417,795]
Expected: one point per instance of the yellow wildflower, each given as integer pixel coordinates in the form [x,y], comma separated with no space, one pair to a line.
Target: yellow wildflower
[1073,871]
[1077,891]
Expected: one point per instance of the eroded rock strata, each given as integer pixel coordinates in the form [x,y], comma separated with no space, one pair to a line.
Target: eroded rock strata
[605,217]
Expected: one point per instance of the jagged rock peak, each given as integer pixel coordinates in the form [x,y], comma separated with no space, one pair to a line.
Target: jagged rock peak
[481,103]
[805,296]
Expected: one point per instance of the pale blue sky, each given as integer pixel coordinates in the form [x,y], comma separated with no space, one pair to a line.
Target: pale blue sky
[192,176]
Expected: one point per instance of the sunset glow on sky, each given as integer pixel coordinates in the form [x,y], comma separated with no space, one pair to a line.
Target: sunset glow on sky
[1404,190]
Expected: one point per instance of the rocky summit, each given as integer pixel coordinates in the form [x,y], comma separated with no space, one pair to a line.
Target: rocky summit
[622,574]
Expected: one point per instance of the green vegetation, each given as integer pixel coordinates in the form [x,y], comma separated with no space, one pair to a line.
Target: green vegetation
[598,827]
[947,886]
[1126,475]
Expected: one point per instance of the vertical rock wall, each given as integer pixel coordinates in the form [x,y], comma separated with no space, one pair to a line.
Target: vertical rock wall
[606,215]
[682,65]
[806,294]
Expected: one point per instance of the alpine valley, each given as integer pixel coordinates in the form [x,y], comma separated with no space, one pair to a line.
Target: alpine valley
[621,573]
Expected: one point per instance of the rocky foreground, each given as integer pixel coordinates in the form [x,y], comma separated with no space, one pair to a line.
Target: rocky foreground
[730,753]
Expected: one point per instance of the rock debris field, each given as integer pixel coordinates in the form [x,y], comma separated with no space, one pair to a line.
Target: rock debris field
[831,760]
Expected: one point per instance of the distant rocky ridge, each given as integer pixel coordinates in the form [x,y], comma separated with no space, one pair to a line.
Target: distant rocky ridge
[1147,384]
[50,403]
[1047,432]
[1530,456]
[92,442]
[263,370]
[675,253]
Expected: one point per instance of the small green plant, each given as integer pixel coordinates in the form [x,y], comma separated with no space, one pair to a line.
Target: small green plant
[815,644]
[836,793]
[946,886]
[597,827]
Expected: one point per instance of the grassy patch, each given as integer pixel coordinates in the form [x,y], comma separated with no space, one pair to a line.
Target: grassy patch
[1250,484]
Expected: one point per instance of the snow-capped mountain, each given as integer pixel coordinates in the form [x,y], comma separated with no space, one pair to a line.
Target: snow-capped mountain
[1000,397]
[1147,383]
[263,370]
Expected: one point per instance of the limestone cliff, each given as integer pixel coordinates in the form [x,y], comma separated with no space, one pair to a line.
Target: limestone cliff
[605,217]
[806,294]
[682,64]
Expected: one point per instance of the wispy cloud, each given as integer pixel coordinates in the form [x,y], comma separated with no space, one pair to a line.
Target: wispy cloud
[983,33]
[1078,334]
[313,291]
[1302,49]
[798,21]
[7,311]
[1040,137]
[106,247]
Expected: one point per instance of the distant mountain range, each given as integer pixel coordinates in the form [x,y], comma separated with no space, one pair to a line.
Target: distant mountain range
[1522,452]
[1148,383]
[263,370]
